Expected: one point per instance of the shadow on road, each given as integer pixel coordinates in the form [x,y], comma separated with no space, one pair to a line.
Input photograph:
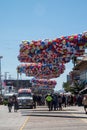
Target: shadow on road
[61,114]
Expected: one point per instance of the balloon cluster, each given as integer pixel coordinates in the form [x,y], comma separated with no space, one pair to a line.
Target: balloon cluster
[46,58]
[53,51]
[39,70]
[44,82]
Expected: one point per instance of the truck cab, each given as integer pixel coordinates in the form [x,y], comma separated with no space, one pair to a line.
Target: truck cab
[25,98]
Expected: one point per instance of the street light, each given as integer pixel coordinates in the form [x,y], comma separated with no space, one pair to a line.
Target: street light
[0,75]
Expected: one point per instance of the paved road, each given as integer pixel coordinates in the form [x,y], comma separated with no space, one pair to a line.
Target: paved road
[71,118]
[10,121]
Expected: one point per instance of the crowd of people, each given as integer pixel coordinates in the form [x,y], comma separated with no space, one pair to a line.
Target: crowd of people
[54,101]
[57,101]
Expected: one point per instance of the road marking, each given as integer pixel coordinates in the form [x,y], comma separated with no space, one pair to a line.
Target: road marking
[25,122]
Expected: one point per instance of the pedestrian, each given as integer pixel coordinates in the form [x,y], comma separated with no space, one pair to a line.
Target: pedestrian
[84,102]
[79,100]
[15,103]
[60,102]
[49,101]
[34,100]
[10,104]
[55,102]
[64,100]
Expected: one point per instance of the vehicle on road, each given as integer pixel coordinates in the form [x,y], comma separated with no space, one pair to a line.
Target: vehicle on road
[25,98]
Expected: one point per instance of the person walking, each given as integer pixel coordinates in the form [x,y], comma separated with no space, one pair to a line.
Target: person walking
[49,101]
[15,103]
[10,104]
[64,100]
[34,100]
[55,102]
[84,102]
[60,102]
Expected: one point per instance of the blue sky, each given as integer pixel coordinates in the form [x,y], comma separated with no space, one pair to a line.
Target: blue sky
[35,20]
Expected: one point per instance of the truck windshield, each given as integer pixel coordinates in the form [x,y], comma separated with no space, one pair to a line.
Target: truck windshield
[24,95]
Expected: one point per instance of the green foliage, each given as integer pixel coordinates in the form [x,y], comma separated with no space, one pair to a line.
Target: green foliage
[66,86]
[5,102]
[73,89]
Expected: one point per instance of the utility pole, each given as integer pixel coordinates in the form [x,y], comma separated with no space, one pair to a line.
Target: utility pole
[17,80]
[0,75]
[9,76]
[6,75]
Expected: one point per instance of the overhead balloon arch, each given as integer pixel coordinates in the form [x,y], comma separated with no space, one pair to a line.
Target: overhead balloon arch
[39,70]
[46,59]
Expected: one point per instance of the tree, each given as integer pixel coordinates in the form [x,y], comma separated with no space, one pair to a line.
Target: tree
[66,86]
[75,89]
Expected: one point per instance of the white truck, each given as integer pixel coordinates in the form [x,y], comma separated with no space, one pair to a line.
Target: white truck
[25,98]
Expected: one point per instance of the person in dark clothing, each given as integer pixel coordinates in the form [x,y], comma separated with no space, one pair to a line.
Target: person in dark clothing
[34,100]
[60,102]
[10,104]
[79,100]
[15,103]
[64,100]
[54,101]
